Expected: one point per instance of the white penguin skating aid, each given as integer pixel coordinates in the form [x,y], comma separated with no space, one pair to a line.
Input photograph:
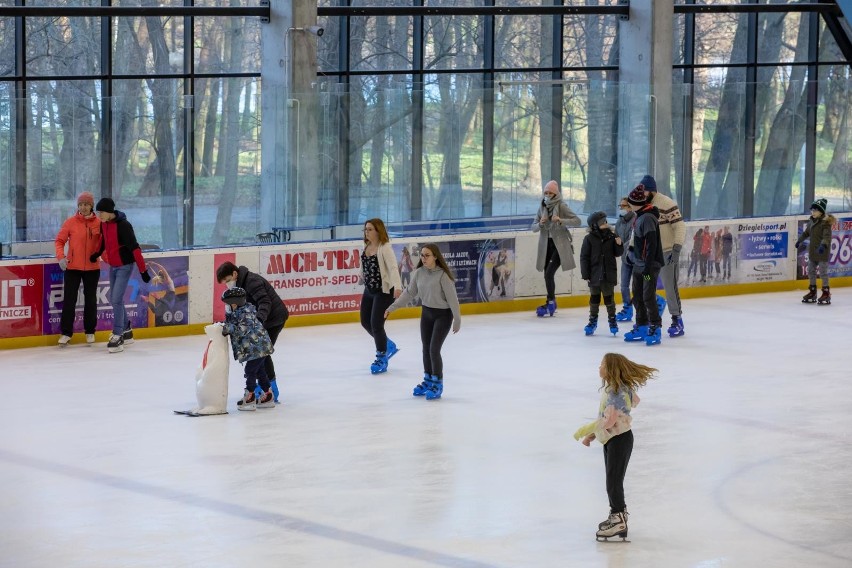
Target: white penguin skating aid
[211,378]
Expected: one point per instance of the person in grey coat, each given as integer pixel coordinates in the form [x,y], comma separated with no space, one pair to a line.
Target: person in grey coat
[624,230]
[555,247]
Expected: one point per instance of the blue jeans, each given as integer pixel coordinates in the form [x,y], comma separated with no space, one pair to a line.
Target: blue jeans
[118,279]
[626,280]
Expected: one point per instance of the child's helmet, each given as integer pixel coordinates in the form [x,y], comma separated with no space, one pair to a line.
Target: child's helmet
[234,295]
[595,219]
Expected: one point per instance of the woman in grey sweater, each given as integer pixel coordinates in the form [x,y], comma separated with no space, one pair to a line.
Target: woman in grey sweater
[434,284]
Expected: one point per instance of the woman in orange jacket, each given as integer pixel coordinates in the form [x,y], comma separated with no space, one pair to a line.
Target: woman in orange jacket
[82,233]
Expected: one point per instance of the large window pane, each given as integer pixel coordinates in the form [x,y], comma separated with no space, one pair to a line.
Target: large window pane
[227,160]
[523,42]
[452,147]
[7,47]
[62,46]
[148,138]
[721,39]
[63,140]
[719,124]
[589,41]
[833,156]
[147,46]
[9,229]
[454,42]
[225,45]
[780,36]
[380,43]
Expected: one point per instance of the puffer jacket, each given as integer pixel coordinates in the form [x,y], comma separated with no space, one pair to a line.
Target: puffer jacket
[249,339]
[820,233]
[271,310]
[598,257]
[83,236]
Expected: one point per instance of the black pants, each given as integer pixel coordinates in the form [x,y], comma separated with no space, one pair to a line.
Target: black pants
[267,364]
[645,298]
[608,291]
[71,288]
[616,457]
[435,325]
[256,374]
[551,265]
[373,306]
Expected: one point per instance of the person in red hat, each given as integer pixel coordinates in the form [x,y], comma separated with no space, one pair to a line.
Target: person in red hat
[79,237]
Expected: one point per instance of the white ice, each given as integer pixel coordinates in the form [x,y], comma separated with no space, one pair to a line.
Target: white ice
[742,453]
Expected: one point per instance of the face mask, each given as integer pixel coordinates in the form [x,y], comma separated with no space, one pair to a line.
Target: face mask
[231,283]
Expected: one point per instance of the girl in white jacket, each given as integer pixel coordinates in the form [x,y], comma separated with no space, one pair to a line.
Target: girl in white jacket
[380,275]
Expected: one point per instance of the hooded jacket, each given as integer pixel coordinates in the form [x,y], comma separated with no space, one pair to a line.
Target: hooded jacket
[249,339]
[83,236]
[119,242]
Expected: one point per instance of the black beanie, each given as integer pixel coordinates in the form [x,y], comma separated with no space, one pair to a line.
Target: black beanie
[106,205]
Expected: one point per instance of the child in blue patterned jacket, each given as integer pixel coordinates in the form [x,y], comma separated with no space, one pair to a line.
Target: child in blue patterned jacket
[251,345]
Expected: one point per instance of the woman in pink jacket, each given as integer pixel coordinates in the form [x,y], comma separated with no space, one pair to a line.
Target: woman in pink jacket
[82,234]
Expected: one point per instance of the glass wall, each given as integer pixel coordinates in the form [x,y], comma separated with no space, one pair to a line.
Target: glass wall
[412,118]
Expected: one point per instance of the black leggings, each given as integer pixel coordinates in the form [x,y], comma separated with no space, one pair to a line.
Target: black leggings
[435,325]
[551,265]
[616,457]
[373,306]
[71,287]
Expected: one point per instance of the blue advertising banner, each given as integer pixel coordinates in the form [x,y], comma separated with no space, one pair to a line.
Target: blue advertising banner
[162,301]
[840,257]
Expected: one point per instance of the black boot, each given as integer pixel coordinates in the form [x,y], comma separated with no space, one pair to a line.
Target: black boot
[825,297]
[810,297]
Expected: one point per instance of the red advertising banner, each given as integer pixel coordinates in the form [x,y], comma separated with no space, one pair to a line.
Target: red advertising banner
[218,306]
[20,300]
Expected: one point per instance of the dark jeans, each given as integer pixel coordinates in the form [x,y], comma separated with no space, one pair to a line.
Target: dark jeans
[71,288]
[268,366]
[616,457]
[551,265]
[373,306]
[256,373]
[645,298]
[435,325]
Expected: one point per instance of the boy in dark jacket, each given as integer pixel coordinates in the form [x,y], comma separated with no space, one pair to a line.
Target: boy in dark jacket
[121,251]
[819,249]
[251,345]
[646,255]
[601,247]
[271,311]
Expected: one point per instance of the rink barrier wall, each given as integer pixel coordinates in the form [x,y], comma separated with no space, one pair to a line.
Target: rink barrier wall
[765,261]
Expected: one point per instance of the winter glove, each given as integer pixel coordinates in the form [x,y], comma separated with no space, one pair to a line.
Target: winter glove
[801,246]
[94,257]
[145,277]
[63,263]
[821,249]
[646,277]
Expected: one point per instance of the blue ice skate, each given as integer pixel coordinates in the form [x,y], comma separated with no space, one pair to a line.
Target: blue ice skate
[547,309]
[654,335]
[676,328]
[392,349]
[591,326]
[380,365]
[421,389]
[613,326]
[435,389]
[661,304]
[626,313]
[638,333]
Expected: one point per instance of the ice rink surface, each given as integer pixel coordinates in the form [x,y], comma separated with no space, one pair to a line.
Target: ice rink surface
[742,454]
